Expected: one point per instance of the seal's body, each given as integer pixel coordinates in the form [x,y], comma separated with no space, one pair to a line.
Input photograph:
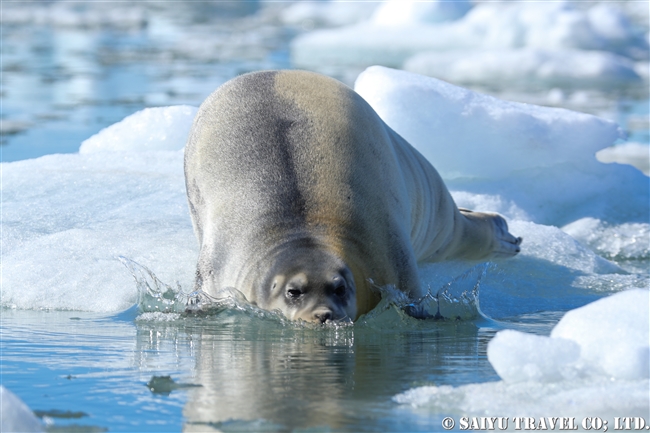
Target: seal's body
[302,197]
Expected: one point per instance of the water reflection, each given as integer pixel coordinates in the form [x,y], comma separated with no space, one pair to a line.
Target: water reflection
[258,374]
[252,373]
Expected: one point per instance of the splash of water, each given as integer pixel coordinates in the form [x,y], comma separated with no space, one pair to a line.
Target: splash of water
[456,300]
[459,298]
[154,296]
[160,301]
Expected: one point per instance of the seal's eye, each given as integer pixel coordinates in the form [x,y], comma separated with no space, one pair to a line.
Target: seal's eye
[340,291]
[294,293]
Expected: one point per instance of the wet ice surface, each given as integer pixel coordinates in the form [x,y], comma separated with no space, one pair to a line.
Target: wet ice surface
[67,220]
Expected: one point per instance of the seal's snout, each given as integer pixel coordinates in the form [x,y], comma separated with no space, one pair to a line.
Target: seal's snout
[307,282]
[323,315]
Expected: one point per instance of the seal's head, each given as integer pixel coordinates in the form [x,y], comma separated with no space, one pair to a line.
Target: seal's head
[309,284]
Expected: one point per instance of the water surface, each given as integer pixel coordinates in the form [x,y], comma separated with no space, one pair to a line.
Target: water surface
[232,370]
[253,374]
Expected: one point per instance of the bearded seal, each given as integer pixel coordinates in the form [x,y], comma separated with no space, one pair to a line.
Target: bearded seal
[302,198]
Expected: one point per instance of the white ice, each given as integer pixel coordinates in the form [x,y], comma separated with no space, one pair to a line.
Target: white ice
[308,14]
[162,128]
[594,363]
[407,12]
[625,335]
[528,162]
[621,241]
[16,415]
[636,154]
[530,41]
[599,397]
[528,68]
[519,357]
[582,344]
[66,218]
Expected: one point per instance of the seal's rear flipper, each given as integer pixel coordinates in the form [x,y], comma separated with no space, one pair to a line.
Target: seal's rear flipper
[486,236]
[507,245]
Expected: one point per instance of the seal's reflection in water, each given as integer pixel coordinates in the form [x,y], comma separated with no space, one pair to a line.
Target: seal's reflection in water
[260,374]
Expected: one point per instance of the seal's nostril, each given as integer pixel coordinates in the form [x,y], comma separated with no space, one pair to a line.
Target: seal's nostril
[323,316]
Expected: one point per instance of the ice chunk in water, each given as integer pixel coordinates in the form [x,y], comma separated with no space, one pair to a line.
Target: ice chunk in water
[636,154]
[415,28]
[528,69]
[594,362]
[613,334]
[318,13]
[407,12]
[16,415]
[608,337]
[519,357]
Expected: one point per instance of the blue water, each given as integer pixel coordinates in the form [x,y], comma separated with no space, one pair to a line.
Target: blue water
[60,85]
[242,369]
[253,373]
[98,365]
[63,83]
